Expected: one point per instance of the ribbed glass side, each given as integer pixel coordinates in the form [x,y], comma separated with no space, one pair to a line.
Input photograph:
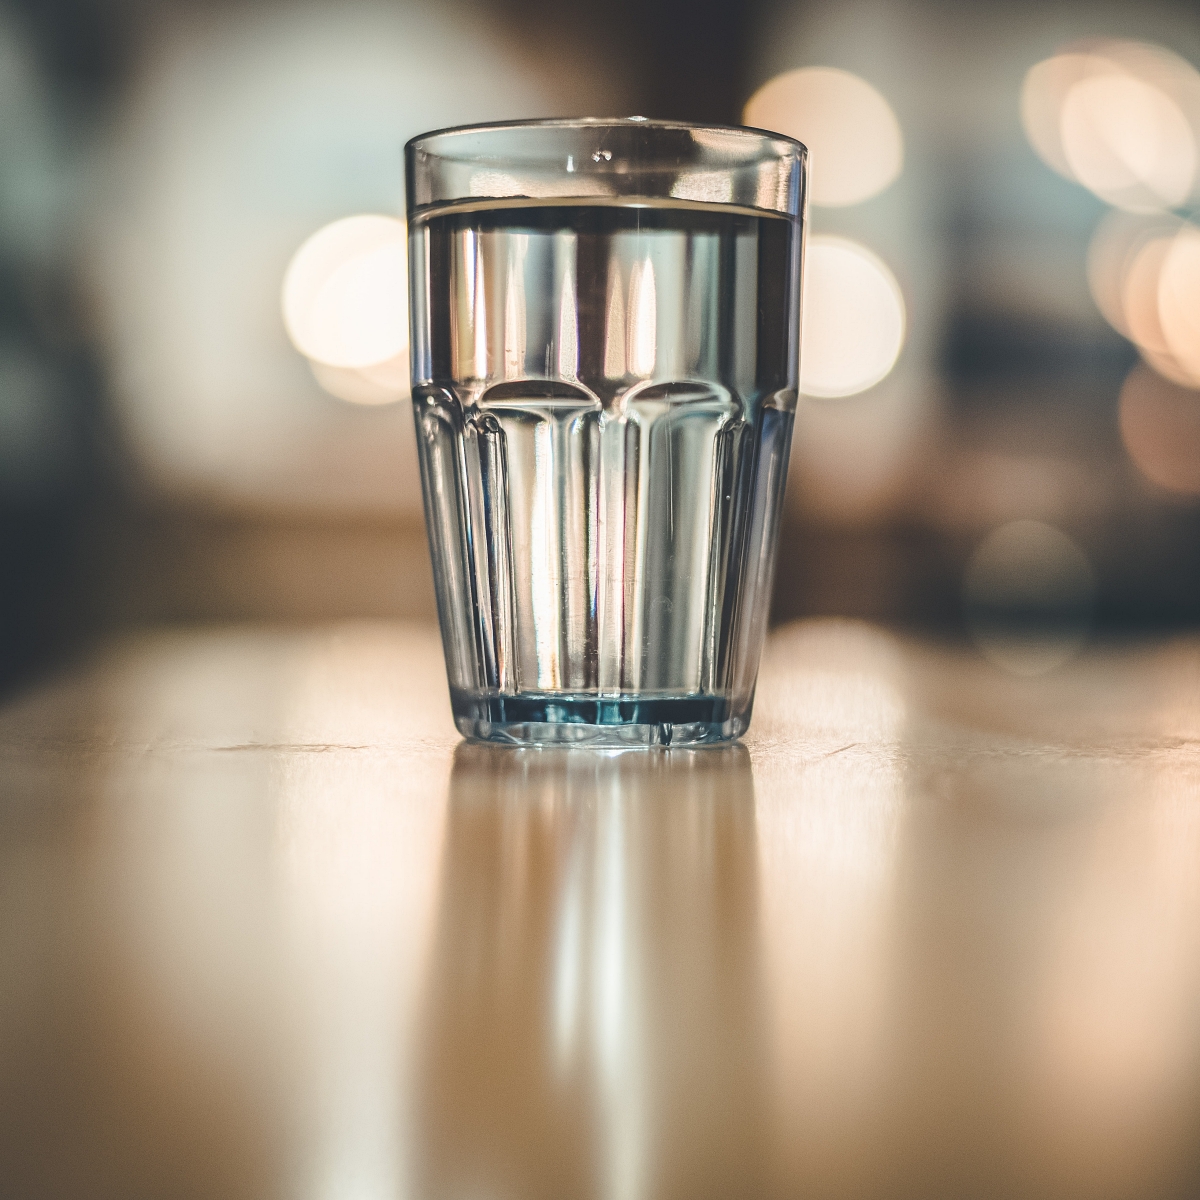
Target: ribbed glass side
[604,415]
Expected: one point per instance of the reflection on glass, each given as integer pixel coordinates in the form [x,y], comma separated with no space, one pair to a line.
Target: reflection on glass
[591,1010]
[643,318]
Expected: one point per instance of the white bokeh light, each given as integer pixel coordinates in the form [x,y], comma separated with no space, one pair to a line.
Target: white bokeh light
[345,293]
[1129,142]
[853,319]
[1121,118]
[235,141]
[846,123]
[1043,91]
[345,308]
[381,383]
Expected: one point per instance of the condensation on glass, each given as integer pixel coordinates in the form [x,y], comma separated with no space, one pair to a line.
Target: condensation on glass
[605,345]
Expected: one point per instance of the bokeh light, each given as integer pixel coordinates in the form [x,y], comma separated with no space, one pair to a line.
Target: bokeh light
[1139,296]
[1028,595]
[1119,117]
[1154,307]
[1179,301]
[1043,91]
[850,128]
[1116,242]
[853,319]
[381,383]
[1128,142]
[345,306]
[1160,426]
[234,141]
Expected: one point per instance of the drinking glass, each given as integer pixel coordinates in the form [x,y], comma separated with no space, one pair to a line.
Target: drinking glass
[605,353]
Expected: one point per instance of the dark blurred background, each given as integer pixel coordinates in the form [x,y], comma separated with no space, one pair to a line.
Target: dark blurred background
[1001,422]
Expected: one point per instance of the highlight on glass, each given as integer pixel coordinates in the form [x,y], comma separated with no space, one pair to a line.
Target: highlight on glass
[605,362]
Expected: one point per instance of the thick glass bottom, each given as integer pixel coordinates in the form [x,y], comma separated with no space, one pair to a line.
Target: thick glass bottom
[585,719]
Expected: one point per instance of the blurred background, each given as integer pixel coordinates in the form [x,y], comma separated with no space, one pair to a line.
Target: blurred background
[203,413]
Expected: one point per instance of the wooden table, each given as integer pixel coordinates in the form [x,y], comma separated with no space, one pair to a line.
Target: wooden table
[267,928]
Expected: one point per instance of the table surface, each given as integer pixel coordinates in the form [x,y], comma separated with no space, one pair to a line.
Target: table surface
[268,928]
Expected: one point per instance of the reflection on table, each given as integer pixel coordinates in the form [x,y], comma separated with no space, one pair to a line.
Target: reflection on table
[267,928]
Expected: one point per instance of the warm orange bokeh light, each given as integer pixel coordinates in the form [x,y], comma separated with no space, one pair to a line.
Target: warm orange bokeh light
[1160,426]
[1139,296]
[1179,301]
[1117,242]
[1144,274]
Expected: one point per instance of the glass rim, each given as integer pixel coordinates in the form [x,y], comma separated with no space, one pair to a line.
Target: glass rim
[788,146]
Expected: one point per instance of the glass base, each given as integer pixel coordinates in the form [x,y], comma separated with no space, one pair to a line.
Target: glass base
[606,722]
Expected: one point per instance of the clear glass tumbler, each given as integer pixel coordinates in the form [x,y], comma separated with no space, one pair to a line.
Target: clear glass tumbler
[605,336]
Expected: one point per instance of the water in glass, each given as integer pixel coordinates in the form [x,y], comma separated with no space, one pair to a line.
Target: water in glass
[604,403]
